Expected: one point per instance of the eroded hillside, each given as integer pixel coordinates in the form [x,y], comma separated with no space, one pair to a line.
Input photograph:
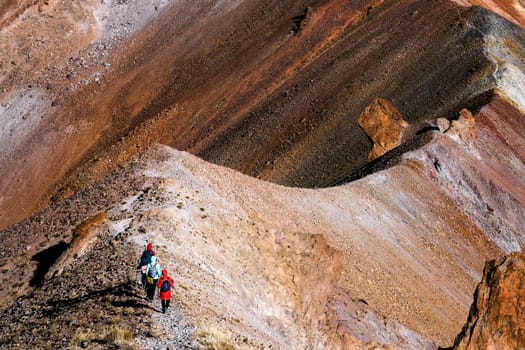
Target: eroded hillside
[386,255]
[212,78]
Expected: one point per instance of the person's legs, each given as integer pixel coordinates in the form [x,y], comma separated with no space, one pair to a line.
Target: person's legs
[151,291]
[164,306]
[153,288]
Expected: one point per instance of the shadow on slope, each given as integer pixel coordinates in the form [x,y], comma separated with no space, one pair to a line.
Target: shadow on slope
[46,259]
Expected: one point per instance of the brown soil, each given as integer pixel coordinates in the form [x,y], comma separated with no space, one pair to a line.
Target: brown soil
[207,83]
[272,89]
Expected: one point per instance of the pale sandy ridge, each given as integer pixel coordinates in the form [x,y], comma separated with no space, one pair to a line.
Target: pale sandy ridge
[406,248]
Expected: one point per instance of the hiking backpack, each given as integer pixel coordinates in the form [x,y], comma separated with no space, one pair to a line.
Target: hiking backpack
[145,258]
[165,286]
[152,272]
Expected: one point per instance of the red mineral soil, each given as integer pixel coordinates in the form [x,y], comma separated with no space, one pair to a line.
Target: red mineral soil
[272,91]
[513,10]
[213,78]
[12,9]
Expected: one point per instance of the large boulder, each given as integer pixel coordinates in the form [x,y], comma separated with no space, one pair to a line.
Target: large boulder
[384,124]
[496,319]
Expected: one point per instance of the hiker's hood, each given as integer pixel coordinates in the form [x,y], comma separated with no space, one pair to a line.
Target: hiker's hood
[153,260]
[149,246]
[164,274]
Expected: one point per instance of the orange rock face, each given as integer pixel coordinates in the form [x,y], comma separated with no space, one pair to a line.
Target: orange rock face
[464,128]
[513,10]
[384,124]
[496,316]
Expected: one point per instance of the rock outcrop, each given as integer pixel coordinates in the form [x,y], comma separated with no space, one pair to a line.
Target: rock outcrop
[463,129]
[384,124]
[257,90]
[496,318]
[84,237]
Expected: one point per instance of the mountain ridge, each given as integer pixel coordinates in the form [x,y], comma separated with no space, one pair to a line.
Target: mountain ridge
[304,131]
[386,257]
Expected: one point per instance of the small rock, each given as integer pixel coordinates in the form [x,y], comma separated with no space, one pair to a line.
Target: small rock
[443,124]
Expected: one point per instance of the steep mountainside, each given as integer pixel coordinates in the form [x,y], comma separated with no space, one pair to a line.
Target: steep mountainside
[213,77]
[279,227]
[407,243]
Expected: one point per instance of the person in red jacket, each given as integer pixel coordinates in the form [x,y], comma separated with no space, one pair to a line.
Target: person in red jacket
[165,284]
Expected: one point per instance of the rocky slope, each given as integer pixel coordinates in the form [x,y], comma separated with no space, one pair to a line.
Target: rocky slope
[387,255]
[200,78]
[260,264]
[240,278]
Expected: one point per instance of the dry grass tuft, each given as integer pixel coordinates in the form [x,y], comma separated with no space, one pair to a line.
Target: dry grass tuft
[115,335]
[81,337]
[118,335]
[213,338]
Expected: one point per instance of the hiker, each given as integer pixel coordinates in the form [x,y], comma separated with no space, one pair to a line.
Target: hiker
[165,284]
[152,276]
[144,261]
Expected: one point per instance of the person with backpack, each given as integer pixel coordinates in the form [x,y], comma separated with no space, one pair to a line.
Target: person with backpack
[145,259]
[153,274]
[165,284]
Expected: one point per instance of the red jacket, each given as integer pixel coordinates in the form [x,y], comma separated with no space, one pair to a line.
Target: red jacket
[165,295]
